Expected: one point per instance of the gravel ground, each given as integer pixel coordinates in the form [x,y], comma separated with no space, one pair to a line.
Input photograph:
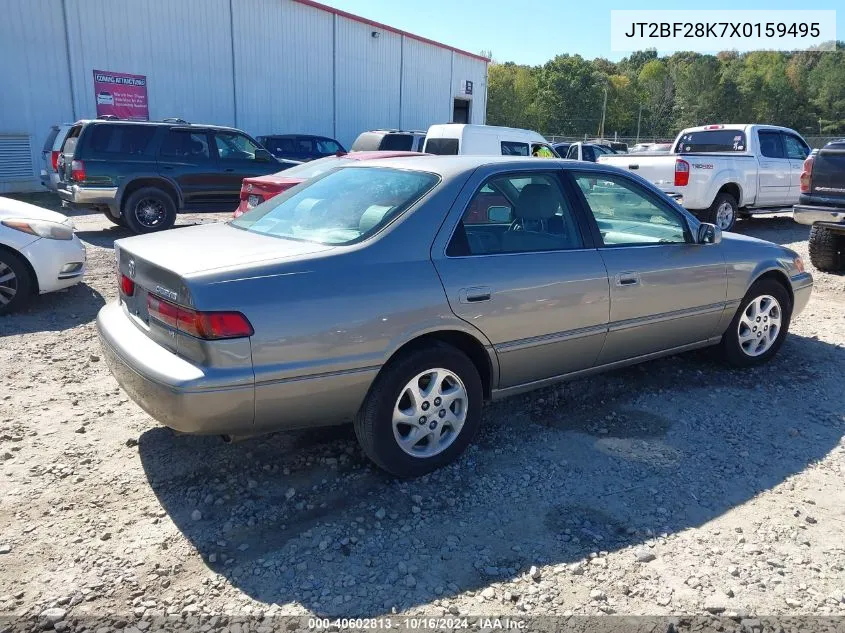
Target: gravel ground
[675,487]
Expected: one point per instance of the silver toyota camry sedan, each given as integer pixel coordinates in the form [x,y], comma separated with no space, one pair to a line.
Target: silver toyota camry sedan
[399,294]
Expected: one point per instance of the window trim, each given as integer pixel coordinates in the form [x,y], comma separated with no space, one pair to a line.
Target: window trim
[572,174]
[584,230]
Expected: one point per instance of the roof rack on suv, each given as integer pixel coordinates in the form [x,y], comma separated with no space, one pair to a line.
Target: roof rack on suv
[108,117]
[173,119]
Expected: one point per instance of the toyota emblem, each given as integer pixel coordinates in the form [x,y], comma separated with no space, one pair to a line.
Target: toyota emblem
[131,269]
[248,187]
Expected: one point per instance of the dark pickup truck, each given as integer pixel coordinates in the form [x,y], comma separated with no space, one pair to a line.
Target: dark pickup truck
[822,206]
[140,174]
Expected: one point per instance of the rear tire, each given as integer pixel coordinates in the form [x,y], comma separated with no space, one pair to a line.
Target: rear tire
[747,341]
[16,282]
[389,415]
[149,209]
[827,249]
[723,212]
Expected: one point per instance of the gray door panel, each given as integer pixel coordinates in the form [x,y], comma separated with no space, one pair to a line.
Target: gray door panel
[546,314]
[677,298]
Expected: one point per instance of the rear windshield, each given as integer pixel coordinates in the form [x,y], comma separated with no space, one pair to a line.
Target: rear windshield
[339,207]
[69,146]
[397,143]
[712,141]
[366,142]
[442,146]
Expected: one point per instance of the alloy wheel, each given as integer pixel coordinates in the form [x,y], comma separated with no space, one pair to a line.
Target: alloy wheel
[430,412]
[150,212]
[724,216]
[8,284]
[759,325]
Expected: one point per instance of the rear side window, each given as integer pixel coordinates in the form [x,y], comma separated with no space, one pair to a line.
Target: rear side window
[771,145]
[510,148]
[182,145]
[119,139]
[69,146]
[442,146]
[397,143]
[712,141]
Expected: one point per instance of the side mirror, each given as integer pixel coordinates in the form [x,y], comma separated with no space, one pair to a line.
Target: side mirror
[263,155]
[499,215]
[708,234]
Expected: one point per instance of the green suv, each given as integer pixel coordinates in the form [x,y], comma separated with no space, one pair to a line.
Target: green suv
[141,173]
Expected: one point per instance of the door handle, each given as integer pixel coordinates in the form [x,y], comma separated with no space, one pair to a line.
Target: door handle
[475,294]
[229,169]
[627,279]
[633,166]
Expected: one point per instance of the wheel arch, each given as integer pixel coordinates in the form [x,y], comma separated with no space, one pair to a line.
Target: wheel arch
[778,275]
[733,189]
[481,354]
[36,289]
[127,188]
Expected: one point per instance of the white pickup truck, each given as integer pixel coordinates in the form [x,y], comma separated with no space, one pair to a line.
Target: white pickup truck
[722,172]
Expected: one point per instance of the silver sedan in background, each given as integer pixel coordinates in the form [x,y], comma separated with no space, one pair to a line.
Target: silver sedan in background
[399,294]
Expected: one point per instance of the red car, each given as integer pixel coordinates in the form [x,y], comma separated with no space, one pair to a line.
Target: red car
[256,190]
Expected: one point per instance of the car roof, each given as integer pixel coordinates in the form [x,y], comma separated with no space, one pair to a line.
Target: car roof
[453,165]
[372,155]
[328,138]
[182,124]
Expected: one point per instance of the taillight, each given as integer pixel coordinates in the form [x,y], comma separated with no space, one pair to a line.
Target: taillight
[77,170]
[54,159]
[127,286]
[806,179]
[204,325]
[681,173]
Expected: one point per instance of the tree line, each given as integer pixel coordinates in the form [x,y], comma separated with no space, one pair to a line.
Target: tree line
[660,95]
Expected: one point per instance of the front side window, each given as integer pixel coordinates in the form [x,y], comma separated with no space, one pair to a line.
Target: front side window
[522,213]
[626,215]
[327,146]
[510,148]
[181,145]
[342,206]
[795,148]
[234,146]
[572,152]
[771,145]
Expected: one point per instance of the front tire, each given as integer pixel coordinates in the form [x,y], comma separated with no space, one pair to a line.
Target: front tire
[827,249]
[723,212]
[15,282]
[149,209]
[759,326]
[423,410]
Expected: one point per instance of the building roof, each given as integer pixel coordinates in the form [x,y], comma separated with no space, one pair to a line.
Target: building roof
[419,38]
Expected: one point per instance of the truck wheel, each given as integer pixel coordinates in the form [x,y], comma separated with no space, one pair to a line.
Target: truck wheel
[149,209]
[15,282]
[827,249]
[422,411]
[759,327]
[723,212]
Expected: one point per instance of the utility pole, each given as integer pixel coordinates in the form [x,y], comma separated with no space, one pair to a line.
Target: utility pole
[603,110]
[639,118]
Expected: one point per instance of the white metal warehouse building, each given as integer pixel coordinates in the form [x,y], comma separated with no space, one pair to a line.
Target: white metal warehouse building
[265,66]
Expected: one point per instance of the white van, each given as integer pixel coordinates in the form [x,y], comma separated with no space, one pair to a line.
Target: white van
[484,140]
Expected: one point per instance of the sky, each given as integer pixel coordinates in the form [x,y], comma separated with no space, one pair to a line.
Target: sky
[534,31]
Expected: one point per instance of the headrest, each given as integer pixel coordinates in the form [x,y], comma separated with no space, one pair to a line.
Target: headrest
[371,217]
[537,202]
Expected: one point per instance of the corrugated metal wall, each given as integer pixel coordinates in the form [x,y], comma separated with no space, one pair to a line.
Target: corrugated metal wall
[283,68]
[34,86]
[266,66]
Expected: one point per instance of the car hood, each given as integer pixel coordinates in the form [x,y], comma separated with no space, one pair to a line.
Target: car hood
[208,247]
[10,208]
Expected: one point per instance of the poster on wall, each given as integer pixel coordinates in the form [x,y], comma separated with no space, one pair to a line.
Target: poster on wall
[121,95]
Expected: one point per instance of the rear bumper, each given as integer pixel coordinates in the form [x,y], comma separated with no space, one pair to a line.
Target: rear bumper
[805,214]
[177,393]
[86,196]
[802,288]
